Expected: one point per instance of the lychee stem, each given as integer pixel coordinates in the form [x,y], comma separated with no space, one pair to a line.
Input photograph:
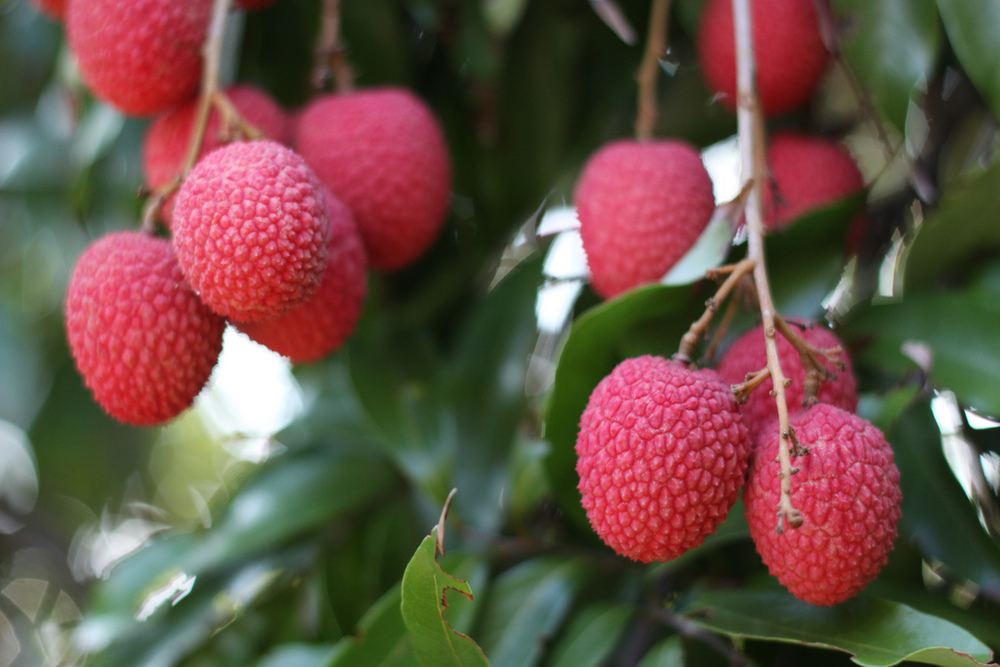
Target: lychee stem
[212,54]
[812,359]
[695,334]
[331,64]
[753,153]
[649,70]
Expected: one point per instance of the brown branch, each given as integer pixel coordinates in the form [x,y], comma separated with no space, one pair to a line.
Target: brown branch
[812,358]
[750,123]
[694,335]
[331,64]
[649,70]
[212,54]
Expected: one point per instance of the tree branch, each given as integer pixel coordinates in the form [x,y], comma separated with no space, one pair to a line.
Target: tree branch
[649,70]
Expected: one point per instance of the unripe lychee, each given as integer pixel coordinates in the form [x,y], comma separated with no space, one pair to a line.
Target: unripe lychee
[251,229]
[165,148]
[807,173]
[847,490]
[747,354]
[143,341]
[788,45]
[328,318]
[662,453]
[142,56]
[383,153]
[642,205]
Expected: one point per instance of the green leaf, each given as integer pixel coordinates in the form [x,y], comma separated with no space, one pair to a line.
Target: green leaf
[962,227]
[297,655]
[877,633]
[937,515]
[424,600]
[592,636]
[382,638]
[974,32]
[527,604]
[892,46]
[650,319]
[960,329]
[668,653]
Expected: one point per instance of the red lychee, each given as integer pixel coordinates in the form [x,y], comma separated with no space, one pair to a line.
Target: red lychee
[747,354]
[847,490]
[54,8]
[383,153]
[144,342]
[662,453]
[251,230]
[142,56]
[328,318]
[642,205]
[790,54]
[807,173]
[166,145]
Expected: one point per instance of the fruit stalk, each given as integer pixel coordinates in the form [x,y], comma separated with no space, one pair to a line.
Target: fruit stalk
[750,124]
[649,70]
[212,53]
[331,62]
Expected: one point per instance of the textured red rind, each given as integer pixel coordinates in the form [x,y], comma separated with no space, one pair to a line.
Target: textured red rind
[251,230]
[847,490]
[327,319]
[141,56]
[747,354]
[790,55]
[383,153]
[142,340]
[166,145]
[642,205]
[662,453]
[807,172]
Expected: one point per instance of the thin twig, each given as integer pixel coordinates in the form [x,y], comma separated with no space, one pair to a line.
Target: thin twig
[649,70]
[331,64]
[750,123]
[212,54]
[692,630]
[694,335]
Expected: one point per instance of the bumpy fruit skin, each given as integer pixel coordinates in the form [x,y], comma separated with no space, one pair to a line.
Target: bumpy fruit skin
[791,56]
[807,172]
[642,205]
[383,153]
[662,453]
[142,340]
[142,56]
[327,319]
[166,145]
[54,8]
[747,355]
[251,230]
[847,490]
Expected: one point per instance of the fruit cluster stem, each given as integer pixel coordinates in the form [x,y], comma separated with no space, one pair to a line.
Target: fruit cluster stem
[649,70]
[694,335]
[331,64]
[753,154]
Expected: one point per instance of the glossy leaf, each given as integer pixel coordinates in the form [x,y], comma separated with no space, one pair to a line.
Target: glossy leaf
[892,47]
[425,590]
[877,633]
[526,605]
[974,33]
[959,330]
[592,636]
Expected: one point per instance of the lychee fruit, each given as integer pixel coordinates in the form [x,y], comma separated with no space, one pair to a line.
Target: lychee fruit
[141,56]
[662,453]
[254,5]
[328,318]
[642,205]
[383,153]
[790,54]
[807,173]
[847,490]
[169,138]
[143,341]
[53,8]
[747,355]
[251,230]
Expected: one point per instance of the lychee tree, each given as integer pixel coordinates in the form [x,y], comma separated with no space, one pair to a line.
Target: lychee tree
[761,445]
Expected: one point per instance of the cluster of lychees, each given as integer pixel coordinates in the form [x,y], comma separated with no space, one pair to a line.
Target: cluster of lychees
[272,231]
[664,449]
